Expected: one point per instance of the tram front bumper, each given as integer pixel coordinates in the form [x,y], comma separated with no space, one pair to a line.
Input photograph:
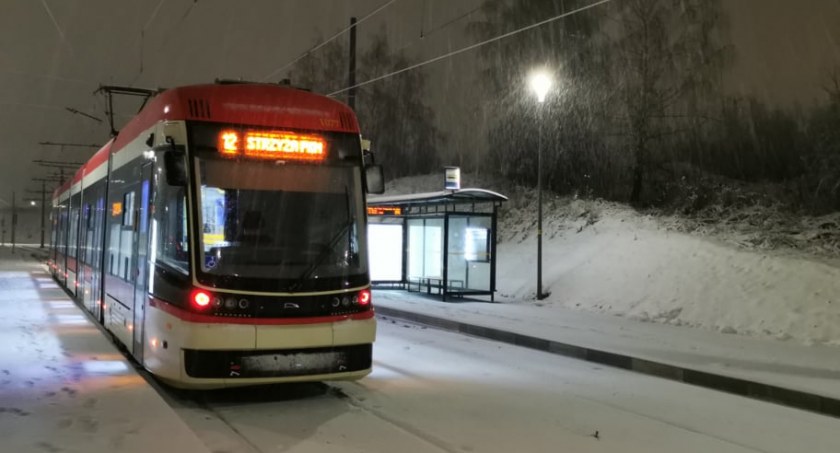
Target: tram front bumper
[213,355]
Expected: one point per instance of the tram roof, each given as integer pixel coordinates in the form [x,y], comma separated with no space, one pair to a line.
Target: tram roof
[246,103]
[251,104]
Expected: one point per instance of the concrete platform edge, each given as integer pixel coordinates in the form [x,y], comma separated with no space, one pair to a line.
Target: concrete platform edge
[765,392]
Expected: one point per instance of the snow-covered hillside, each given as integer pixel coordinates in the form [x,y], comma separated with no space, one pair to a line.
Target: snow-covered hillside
[606,257]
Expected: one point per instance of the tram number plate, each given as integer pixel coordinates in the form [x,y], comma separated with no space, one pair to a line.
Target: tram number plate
[289,364]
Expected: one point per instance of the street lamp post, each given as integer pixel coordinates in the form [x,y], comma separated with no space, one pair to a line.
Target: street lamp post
[540,83]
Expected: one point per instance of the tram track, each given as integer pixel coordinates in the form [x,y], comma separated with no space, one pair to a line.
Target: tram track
[207,408]
[394,422]
[202,417]
[438,392]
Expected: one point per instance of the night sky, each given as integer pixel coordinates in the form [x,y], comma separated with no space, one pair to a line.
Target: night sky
[783,48]
[54,54]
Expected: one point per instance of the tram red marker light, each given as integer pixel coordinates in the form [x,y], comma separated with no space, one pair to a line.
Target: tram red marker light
[201,299]
[364,297]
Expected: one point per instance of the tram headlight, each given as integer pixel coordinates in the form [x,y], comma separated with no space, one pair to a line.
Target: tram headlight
[244,303]
[230,303]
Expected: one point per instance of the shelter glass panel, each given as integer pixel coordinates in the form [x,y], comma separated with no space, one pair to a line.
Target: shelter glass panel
[468,255]
[425,247]
[386,252]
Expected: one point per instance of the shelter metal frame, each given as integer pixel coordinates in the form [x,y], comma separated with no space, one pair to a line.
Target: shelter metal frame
[443,205]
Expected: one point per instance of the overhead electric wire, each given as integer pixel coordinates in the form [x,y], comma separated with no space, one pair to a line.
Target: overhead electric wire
[55,23]
[177,26]
[44,76]
[471,47]
[153,16]
[426,34]
[32,105]
[451,21]
[322,44]
[143,29]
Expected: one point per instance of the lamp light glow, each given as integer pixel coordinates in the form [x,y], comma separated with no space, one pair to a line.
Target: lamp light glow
[540,83]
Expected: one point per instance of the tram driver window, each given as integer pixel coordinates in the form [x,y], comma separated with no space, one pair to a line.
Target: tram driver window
[173,239]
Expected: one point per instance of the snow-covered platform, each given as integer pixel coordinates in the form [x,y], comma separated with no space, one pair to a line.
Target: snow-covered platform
[63,384]
[782,371]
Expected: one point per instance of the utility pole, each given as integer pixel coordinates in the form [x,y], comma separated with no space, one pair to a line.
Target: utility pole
[43,211]
[14,221]
[43,193]
[50,179]
[351,74]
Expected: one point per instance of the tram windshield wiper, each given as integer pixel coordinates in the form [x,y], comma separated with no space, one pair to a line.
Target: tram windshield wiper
[325,253]
[330,245]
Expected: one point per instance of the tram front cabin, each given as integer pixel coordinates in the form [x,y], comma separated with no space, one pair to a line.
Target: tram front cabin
[228,250]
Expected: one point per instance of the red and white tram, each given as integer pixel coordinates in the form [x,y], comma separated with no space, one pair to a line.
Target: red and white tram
[220,237]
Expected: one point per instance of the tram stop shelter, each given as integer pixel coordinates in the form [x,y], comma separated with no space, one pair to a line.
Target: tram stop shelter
[441,243]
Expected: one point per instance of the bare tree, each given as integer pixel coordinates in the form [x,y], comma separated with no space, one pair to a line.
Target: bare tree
[822,179]
[393,113]
[668,57]
[323,71]
[567,48]
[832,85]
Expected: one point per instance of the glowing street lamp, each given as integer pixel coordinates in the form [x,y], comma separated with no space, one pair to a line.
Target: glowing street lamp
[541,84]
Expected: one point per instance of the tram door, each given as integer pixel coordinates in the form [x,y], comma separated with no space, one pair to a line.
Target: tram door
[141,261]
[86,244]
[97,243]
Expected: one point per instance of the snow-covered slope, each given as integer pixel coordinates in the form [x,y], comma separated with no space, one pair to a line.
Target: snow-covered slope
[605,257]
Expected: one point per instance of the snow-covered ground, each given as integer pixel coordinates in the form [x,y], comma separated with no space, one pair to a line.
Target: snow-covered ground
[434,391]
[605,257]
[64,387]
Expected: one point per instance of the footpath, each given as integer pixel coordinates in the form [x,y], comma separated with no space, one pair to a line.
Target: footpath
[784,372]
[63,384]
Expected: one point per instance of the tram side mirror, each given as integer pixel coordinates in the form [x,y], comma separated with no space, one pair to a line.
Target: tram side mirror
[375,179]
[176,168]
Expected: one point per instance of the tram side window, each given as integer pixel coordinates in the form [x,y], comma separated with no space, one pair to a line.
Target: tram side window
[113,248]
[127,236]
[62,229]
[120,236]
[87,222]
[128,209]
[173,243]
[114,223]
[54,224]
[99,214]
[74,231]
